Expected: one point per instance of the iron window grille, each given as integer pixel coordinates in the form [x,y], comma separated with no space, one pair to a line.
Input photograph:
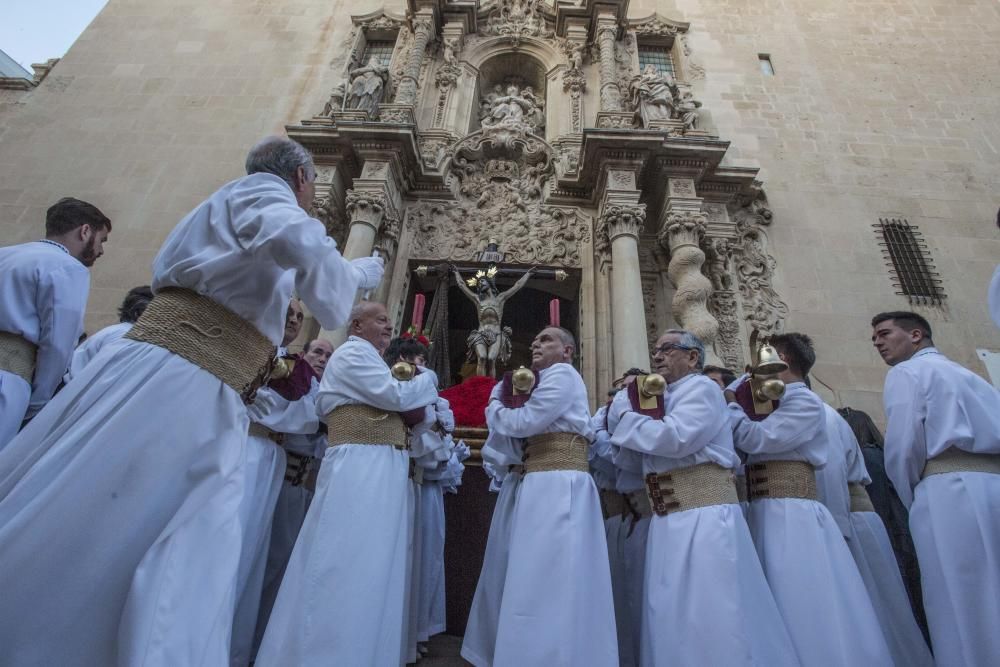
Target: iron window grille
[909,262]
[658,56]
[380,49]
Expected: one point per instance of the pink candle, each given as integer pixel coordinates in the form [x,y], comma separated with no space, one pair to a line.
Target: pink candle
[418,312]
[554,312]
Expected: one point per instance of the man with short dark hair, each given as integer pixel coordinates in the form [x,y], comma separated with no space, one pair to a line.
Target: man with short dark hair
[942,453]
[317,353]
[719,375]
[819,591]
[132,307]
[556,606]
[43,295]
[343,597]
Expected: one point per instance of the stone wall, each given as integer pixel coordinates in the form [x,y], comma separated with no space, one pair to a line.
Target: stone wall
[876,109]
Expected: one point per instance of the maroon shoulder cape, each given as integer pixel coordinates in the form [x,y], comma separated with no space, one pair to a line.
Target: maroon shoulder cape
[507,396]
[744,397]
[633,396]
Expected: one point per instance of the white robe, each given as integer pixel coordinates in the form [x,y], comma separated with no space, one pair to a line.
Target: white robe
[616,530]
[500,452]
[819,591]
[265,472]
[716,575]
[342,600]
[119,504]
[557,606]
[831,479]
[931,404]
[88,349]
[43,294]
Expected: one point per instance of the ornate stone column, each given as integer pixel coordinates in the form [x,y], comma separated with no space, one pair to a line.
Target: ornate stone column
[622,218]
[682,228]
[607,31]
[365,209]
[423,30]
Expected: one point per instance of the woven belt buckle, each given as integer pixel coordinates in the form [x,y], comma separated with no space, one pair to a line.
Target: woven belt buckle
[659,500]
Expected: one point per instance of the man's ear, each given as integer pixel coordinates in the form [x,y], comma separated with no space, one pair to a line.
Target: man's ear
[85,232]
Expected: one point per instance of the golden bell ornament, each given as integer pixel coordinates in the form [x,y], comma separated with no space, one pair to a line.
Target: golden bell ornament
[653,384]
[772,389]
[282,368]
[768,362]
[403,371]
[522,380]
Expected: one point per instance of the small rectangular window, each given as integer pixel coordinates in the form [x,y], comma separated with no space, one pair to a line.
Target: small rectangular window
[658,56]
[381,49]
[766,68]
[909,262]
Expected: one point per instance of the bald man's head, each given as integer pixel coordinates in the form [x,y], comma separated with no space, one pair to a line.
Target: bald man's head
[370,321]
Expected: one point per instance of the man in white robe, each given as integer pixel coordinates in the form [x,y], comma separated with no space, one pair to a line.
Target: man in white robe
[556,607]
[942,453]
[132,307]
[119,504]
[817,586]
[343,597]
[43,293]
[707,603]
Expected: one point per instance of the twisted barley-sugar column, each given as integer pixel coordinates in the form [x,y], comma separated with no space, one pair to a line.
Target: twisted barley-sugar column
[681,235]
[422,30]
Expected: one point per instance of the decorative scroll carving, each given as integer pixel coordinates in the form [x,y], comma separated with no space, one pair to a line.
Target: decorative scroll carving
[655,28]
[575,83]
[623,220]
[324,210]
[754,266]
[388,237]
[681,234]
[518,19]
[434,149]
[722,304]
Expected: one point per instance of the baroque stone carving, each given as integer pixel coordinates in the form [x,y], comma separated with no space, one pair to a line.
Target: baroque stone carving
[655,28]
[518,19]
[433,150]
[681,234]
[365,207]
[575,83]
[423,30]
[727,345]
[623,220]
[367,86]
[324,210]
[513,108]
[754,266]
[649,299]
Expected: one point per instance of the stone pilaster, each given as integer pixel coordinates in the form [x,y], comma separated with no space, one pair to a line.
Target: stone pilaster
[423,30]
[607,32]
[682,227]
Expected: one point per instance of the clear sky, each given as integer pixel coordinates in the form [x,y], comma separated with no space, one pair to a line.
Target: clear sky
[32,31]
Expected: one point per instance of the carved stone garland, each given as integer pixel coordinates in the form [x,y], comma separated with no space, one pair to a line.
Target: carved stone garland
[763,309]
[723,303]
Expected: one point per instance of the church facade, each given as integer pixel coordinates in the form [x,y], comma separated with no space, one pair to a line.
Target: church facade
[717,165]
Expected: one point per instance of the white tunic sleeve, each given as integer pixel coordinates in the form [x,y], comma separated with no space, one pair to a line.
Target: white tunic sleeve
[786,429]
[61,299]
[546,403]
[298,417]
[686,429]
[905,440]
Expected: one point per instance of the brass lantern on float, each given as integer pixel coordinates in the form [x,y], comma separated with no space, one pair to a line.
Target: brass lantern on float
[765,387]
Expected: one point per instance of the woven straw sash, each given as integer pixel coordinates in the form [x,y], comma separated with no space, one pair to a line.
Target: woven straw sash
[781,479]
[208,335]
[613,503]
[17,355]
[860,501]
[701,485]
[365,425]
[261,431]
[556,451]
[957,460]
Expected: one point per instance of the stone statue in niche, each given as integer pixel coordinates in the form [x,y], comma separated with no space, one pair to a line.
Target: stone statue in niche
[367,86]
[512,108]
[336,101]
[687,109]
[653,95]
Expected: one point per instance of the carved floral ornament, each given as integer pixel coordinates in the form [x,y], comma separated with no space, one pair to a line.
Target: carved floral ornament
[366,207]
[517,19]
[623,220]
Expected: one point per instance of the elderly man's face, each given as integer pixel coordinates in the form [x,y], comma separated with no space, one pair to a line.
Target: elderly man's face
[318,355]
[548,348]
[374,326]
[671,360]
[293,322]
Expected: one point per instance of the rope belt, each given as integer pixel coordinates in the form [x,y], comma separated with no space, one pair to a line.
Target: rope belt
[208,335]
[638,505]
[701,485]
[613,503]
[261,431]
[957,460]
[860,500]
[365,425]
[781,479]
[741,487]
[17,355]
[556,451]
[297,467]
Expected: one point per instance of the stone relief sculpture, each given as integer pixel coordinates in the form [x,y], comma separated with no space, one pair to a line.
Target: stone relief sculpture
[687,109]
[336,101]
[754,266]
[512,108]
[517,19]
[367,86]
[653,95]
